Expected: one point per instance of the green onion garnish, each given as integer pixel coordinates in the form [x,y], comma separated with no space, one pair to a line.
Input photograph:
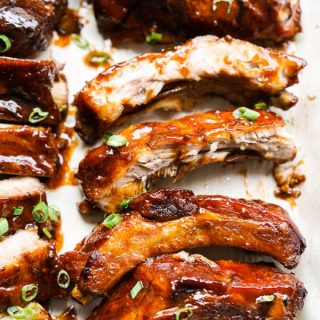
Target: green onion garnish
[154,37]
[47,233]
[40,212]
[5,43]
[112,220]
[185,313]
[80,42]
[116,141]
[4,226]
[37,115]
[245,113]
[260,105]
[136,289]
[33,308]
[63,279]
[268,298]
[215,7]
[18,211]
[98,57]
[124,204]
[53,213]
[17,312]
[29,292]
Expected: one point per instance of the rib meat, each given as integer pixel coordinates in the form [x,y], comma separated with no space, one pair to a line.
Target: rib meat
[253,20]
[29,84]
[175,147]
[26,259]
[26,150]
[222,290]
[237,70]
[24,192]
[167,221]
[29,24]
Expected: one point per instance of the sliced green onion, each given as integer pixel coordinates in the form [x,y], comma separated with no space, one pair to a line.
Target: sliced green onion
[245,113]
[112,220]
[184,314]
[116,141]
[63,279]
[98,57]
[53,213]
[40,212]
[33,308]
[260,105]
[47,233]
[5,43]
[263,299]
[37,115]
[17,211]
[107,135]
[215,3]
[80,42]
[136,289]
[124,204]
[29,292]
[4,226]
[17,312]
[154,37]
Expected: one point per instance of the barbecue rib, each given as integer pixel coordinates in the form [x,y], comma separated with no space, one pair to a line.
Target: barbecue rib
[29,84]
[237,70]
[26,150]
[29,24]
[169,220]
[26,259]
[175,147]
[222,290]
[271,20]
[25,193]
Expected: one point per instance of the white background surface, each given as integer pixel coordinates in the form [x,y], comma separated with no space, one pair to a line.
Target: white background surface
[304,122]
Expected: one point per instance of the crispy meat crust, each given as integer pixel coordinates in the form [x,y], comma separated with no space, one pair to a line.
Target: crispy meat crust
[253,20]
[26,150]
[106,255]
[237,70]
[212,290]
[29,24]
[26,192]
[25,85]
[38,265]
[175,147]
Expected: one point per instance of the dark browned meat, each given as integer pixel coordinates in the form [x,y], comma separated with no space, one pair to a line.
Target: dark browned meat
[25,259]
[182,286]
[254,20]
[25,193]
[29,84]
[26,150]
[176,147]
[169,220]
[237,70]
[29,24]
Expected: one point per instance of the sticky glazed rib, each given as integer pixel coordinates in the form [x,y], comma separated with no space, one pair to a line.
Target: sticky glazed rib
[27,259]
[175,147]
[222,290]
[169,220]
[237,70]
[25,193]
[38,312]
[29,84]
[27,151]
[29,24]
[271,20]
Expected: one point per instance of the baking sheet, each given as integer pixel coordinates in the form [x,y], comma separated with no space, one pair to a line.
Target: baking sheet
[250,180]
